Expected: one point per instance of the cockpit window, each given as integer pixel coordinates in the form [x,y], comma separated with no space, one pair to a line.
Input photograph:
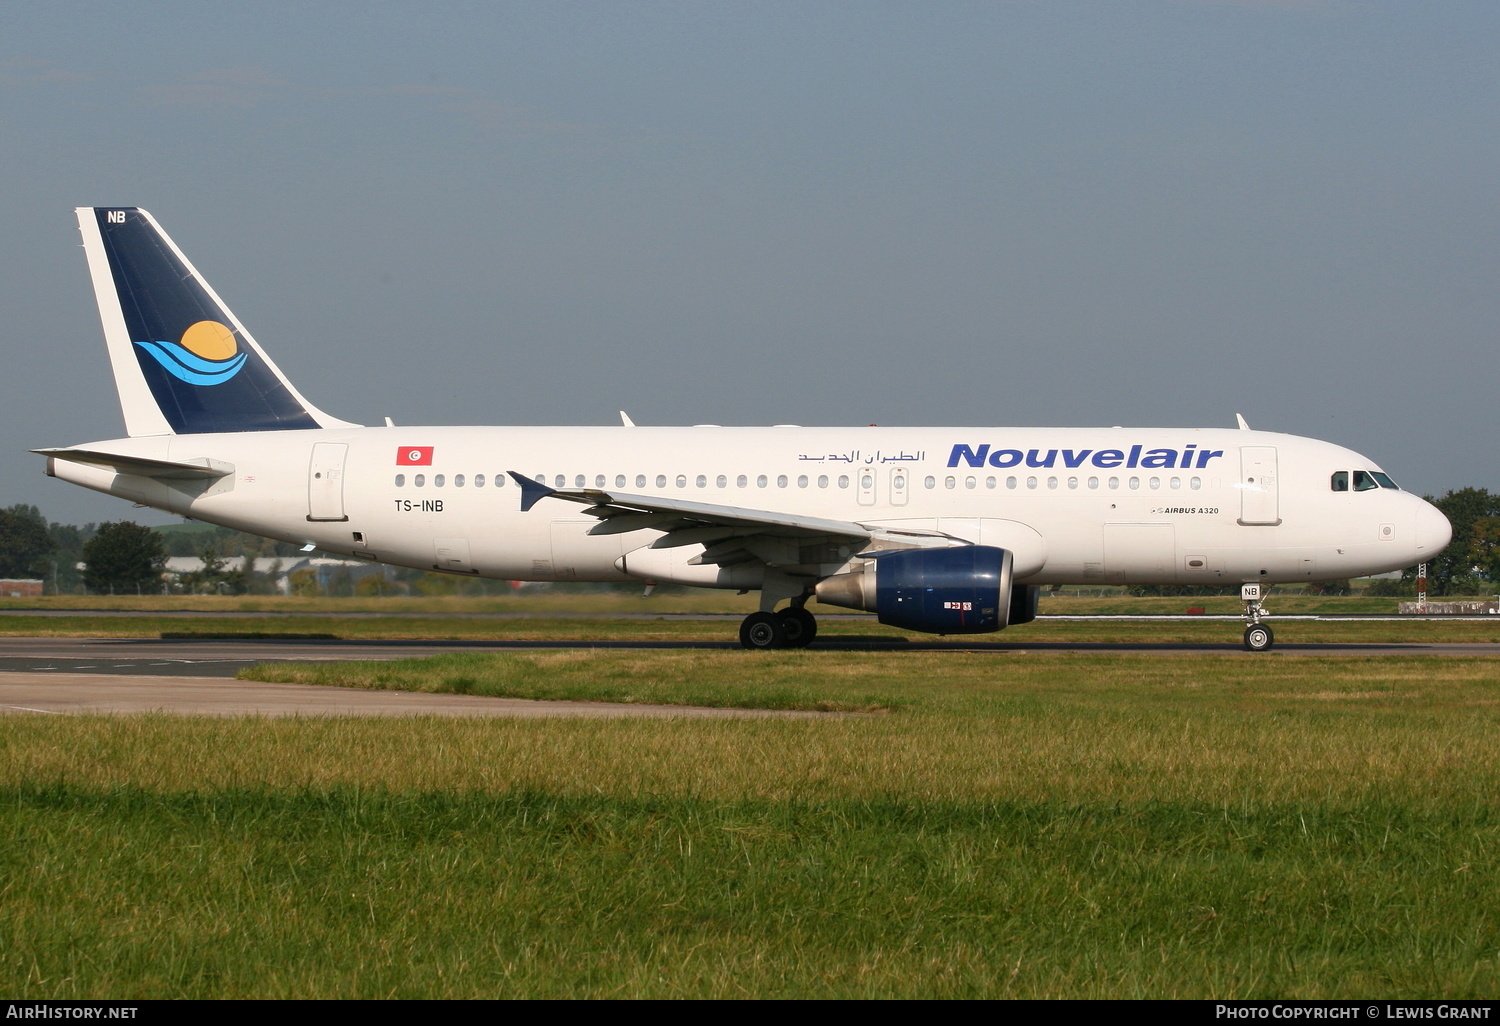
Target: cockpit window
[1385,480]
[1340,481]
[1364,481]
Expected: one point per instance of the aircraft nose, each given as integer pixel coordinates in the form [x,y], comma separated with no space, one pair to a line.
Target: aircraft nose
[1433,532]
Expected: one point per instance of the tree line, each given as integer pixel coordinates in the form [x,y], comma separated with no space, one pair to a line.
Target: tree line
[126,558]
[123,557]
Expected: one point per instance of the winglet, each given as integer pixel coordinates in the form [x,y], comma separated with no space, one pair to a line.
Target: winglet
[1244,426]
[625,420]
[532,491]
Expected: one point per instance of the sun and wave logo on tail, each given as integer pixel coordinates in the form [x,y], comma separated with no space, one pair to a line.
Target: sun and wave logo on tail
[207,354]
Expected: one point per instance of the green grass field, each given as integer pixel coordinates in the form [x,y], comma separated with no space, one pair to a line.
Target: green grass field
[1027,824]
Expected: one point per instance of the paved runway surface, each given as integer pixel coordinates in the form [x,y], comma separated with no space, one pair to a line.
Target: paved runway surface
[61,675]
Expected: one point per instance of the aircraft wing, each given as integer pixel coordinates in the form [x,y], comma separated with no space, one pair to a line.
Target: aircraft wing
[727,532]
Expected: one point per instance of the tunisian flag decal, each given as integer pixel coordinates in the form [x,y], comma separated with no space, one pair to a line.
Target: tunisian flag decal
[414,456]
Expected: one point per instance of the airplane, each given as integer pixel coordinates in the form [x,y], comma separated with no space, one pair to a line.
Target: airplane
[942,530]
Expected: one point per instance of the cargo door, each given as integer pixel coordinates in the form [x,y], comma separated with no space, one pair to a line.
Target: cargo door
[1140,553]
[1258,502]
[325,482]
[576,553]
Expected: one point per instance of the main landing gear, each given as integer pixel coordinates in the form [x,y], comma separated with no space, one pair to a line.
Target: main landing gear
[791,628]
[1258,637]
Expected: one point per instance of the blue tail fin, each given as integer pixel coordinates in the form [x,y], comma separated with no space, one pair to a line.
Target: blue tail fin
[183,363]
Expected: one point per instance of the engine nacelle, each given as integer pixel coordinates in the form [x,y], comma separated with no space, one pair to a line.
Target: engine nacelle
[962,590]
[1023,603]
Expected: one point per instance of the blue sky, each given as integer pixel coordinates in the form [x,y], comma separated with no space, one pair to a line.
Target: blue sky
[752,213]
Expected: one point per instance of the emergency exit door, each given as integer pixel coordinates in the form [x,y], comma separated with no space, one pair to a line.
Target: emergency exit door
[1258,504]
[325,481]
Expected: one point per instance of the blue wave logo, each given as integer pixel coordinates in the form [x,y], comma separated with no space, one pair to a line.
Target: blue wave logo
[207,354]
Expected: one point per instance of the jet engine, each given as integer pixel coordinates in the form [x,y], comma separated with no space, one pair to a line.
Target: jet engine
[961,590]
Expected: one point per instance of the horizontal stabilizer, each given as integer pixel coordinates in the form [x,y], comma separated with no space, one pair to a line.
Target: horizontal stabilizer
[201,468]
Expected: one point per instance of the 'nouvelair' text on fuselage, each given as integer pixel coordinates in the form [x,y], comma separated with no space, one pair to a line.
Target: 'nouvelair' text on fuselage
[1188,457]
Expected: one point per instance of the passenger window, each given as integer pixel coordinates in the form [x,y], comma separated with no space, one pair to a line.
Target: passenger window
[802,481]
[1114,482]
[822,480]
[619,480]
[561,481]
[843,480]
[741,481]
[721,481]
[949,482]
[661,480]
[929,481]
[681,480]
[1051,482]
[598,480]
[1093,482]
[640,480]
[1010,482]
[437,480]
[760,482]
[1155,483]
[1364,481]
[1340,481]
[1031,482]
[400,480]
[702,481]
[458,480]
[1135,482]
[1195,483]
[989,482]
[971,482]
[1176,482]
[1072,482]
[780,480]
[478,480]
[419,480]
[579,481]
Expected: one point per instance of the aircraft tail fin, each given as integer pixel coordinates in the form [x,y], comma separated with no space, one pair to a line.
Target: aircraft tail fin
[183,363]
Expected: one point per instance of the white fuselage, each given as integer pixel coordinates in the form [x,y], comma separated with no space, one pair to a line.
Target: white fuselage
[1074,505]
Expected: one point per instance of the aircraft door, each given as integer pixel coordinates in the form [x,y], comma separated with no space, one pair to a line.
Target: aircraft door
[900,480]
[866,483]
[325,482]
[1140,553]
[576,553]
[1258,503]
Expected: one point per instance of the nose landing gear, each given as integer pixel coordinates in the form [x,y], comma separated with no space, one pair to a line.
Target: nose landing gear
[1258,636]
